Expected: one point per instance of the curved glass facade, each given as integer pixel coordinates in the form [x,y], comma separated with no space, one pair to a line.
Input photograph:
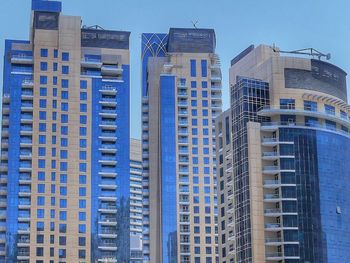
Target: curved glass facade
[322,178]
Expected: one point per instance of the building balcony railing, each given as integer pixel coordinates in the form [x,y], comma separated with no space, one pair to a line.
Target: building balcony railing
[22,59]
[91,63]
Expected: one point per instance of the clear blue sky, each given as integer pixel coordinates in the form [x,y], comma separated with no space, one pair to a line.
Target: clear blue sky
[290,24]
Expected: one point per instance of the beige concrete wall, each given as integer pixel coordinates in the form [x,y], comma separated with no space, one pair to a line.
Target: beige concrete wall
[256,192]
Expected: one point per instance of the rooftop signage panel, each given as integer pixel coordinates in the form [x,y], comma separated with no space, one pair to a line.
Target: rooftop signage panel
[46,20]
[191,40]
[105,38]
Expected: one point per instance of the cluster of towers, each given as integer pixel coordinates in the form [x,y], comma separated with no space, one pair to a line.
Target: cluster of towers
[265,181]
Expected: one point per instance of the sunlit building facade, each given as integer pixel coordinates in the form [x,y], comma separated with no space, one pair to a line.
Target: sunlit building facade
[181,96]
[290,157]
[65,143]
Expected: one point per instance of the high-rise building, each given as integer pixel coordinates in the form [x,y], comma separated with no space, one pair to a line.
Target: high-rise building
[181,96]
[223,128]
[290,157]
[65,142]
[136,255]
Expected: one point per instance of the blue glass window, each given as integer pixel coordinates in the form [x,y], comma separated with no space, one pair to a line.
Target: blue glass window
[64,130]
[329,109]
[82,179]
[55,53]
[83,107]
[42,103]
[64,95]
[44,52]
[63,215]
[54,92]
[83,96]
[193,93]
[64,154]
[43,66]
[204,67]
[41,201]
[193,103]
[82,216]
[65,83]
[83,84]
[55,67]
[204,84]
[64,142]
[42,127]
[54,80]
[40,213]
[82,191]
[63,178]
[83,119]
[82,228]
[205,94]
[82,167]
[193,68]
[310,105]
[193,84]
[82,155]
[63,203]
[65,70]
[63,190]
[194,112]
[64,118]
[65,56]
[43,80]
[64,106]
[288,104]
[42,139]
[41,176]
[63,166]
[82,203]
[43,92]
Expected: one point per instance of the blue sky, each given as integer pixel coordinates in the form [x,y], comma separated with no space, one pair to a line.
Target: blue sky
[290,24]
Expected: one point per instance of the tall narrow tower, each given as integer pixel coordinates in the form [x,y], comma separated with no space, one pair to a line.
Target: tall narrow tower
[65,143]
[181,96]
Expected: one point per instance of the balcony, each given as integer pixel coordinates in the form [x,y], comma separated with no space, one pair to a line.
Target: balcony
[22,59]
[273,227]
[108,136]
[111,125]
[111,70]
[273,241]
[270,156]
[272,198]
[270,111]
[107,246]
[272,184]
[108,233]
[274,212]
[110,259]
[108,101]
[26,118]
[25,107]
[108,221]
[91,63]
[273,169]
[108,89]
[27,83]
[27,95]
[274,256]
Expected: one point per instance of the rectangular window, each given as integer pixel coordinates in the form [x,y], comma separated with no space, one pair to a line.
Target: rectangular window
[55,67]
[42,127]
[43,66]
[287,104]
[329,109]
[204,84]
[83,107]
[64,95]
[42,115]
[82,131]
[65,56]
[43,92]
[42,103]
[44,52]
[64,118]
[65,70]
[65,83]
[63,203]
[43,80]
[310,105]
[63,215]
[193,68]
[204,67]
[82,191]
[83,84]
[83,96]
[55,53]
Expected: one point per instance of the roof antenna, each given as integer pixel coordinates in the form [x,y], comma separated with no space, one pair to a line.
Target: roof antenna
[194,24]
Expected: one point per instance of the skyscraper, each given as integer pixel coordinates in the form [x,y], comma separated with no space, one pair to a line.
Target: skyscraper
[65,142]
[226,243]
[290,156]
[136,201]
[181,96]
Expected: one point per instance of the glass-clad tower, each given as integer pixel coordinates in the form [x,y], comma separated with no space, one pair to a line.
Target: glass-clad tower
[181,96]
[65,143]
[290,155]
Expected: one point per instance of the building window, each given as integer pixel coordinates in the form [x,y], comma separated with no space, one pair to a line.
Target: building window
[329,109]
[55,53]
[193,84]
[65,56]
[287,104]
[310,105]
[44,52]
[65,70]
[39,251]
[193,68]
[83,84]
[43,66]
[204,67]
[43,80]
